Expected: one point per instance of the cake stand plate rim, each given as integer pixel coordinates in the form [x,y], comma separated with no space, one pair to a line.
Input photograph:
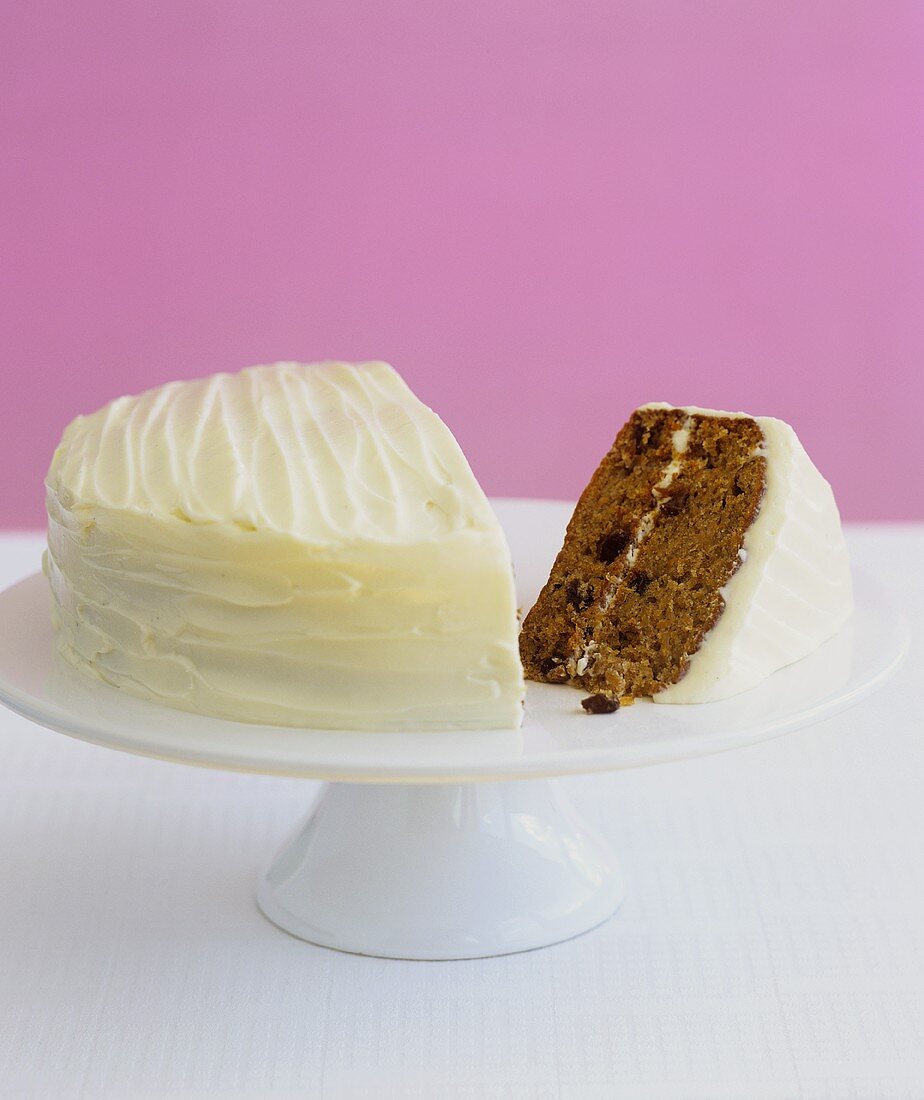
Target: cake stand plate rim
[557,737]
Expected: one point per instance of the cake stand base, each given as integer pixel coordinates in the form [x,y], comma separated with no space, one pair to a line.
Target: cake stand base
[441,871]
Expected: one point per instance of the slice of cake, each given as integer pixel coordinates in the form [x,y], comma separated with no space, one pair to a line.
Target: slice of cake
[705,553]
[296,545]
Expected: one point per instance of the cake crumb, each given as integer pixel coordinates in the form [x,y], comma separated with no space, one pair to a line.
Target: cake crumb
[600,704]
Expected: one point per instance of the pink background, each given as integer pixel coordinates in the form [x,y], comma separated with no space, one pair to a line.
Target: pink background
[542,213]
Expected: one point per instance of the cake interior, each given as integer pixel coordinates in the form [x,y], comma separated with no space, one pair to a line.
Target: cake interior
[655,536]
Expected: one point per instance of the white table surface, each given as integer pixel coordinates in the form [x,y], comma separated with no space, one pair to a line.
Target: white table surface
[771,944]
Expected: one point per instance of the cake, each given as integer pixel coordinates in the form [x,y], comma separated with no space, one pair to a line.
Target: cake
[300,545]
[705,553]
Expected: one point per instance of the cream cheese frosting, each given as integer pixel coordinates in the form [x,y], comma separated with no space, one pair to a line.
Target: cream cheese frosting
[294,544]
[793,588]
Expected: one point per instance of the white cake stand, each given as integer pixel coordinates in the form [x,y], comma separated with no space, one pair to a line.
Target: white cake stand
[422,846]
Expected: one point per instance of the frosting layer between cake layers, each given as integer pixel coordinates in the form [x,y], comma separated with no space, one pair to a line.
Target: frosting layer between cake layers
[793,589]
[295,545]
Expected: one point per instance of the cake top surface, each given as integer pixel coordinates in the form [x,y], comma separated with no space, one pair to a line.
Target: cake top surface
[323,452]
[696,410]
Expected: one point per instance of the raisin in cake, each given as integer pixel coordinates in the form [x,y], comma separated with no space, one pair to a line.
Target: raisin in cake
[296,545]
[705,553]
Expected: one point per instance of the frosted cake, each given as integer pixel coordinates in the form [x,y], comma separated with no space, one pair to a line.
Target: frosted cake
[301,545]
[705,553]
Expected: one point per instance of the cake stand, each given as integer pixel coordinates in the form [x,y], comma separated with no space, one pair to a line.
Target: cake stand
[457,844]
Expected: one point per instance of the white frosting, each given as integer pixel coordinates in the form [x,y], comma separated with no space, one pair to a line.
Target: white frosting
[792,590]
[298,545]
[680,440]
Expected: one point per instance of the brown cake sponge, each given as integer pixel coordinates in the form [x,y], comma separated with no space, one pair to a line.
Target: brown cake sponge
[654,537]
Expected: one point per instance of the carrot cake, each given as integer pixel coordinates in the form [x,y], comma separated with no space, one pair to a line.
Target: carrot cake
[705,553]
[299,545]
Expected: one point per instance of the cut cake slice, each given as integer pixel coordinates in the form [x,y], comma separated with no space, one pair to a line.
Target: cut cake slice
[705,553]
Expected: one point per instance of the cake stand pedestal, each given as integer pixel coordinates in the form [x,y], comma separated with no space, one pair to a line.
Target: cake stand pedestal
[443,871]
[448,845]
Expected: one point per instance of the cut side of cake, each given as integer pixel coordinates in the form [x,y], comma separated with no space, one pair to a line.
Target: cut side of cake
[300,545]
[705,553]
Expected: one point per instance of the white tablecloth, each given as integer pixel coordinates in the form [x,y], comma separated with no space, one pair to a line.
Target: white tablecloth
[771,943]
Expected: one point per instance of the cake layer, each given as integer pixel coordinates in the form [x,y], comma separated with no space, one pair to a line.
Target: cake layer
[297,545]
